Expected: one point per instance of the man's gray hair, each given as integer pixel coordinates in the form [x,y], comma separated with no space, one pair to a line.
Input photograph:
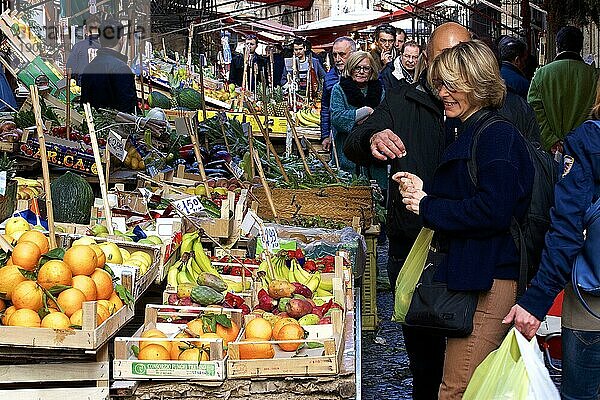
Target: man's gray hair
[346,39]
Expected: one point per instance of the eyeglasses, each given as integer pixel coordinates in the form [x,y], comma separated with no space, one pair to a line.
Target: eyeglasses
[409,57]
[438,83]
[362,68]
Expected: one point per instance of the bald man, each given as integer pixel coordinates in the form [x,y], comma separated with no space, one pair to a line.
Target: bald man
[408,132]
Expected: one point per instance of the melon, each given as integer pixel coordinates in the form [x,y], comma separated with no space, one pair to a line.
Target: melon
[190,99]
[157,99]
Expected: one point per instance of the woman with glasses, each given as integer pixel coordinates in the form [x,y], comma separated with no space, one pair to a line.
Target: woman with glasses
[471,216]
[353,99]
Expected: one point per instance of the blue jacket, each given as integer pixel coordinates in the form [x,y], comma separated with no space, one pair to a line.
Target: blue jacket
[81,55]
[473,222]
[514,79]
[331,78]
[573,195]
[107,82]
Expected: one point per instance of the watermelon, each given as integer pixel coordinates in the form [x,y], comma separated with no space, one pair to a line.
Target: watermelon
[190,99]
[157,99]
[72,198]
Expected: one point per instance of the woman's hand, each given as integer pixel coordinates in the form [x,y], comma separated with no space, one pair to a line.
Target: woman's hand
[411,190]
[524,321]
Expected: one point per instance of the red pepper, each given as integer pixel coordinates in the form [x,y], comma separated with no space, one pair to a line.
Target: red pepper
[299,253]
[291,254]
[236,271]
[310,265]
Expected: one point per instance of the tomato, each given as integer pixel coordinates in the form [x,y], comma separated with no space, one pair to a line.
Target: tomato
[299,254]
[310,265]
[291,254]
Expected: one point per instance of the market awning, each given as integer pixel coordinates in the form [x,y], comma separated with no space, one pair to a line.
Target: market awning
[294,3]
[265,30]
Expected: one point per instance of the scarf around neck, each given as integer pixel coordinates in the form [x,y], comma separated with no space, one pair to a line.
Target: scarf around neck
[355,96]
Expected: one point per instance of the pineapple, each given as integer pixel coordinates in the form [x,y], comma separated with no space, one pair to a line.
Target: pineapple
[281,105]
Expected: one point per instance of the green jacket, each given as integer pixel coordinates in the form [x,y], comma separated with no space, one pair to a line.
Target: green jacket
[562,94]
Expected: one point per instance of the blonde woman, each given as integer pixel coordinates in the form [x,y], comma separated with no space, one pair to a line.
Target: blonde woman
[474,249]
[573,195]
[353,99]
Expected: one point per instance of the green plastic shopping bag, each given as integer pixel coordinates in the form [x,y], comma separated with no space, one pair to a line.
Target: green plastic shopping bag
[514,371]
[410,274]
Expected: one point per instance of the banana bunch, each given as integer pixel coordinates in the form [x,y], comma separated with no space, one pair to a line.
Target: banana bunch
[192,263]
[28,188]
[308,117]
[237,287]
[320,286]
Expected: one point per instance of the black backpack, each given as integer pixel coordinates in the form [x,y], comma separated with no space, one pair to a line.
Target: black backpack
[530,231]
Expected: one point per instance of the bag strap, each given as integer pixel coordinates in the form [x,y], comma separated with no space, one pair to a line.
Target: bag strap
[489,119]
[578,293]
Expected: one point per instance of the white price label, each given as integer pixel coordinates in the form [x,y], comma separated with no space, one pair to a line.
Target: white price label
[250,224]
[269,238]
[189,205]
[237,171]
[116,145]
[2,183]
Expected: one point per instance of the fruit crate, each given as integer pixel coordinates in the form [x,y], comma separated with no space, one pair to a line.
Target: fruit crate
[338,203]
[325,360]
[277,125]
[369,282]
[141,283]
[126,366]
[54,375]
[89,337]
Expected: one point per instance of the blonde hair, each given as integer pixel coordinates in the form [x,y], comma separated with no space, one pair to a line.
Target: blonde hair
[469,67]
[355,59]
[595,114]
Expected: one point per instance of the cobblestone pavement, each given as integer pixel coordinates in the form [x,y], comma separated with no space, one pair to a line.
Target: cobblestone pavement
[385,370]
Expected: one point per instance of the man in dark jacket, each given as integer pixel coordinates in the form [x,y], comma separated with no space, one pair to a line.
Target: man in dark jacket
[342,48]
[385,40]
[513,56]
[408,131]
[83,52]
[256,68]
[402,70]
[108,82]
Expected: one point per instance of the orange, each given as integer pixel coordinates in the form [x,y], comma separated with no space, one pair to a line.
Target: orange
[100,256]
[81,259]
[154,333]
[102,313]
[104,283]
[86,285]
[259,328]
[77,318]
[196,326]
[193,354]
[10,277]
[37,237]
[251,351]
[2,305]
[71,300]
[7,313]
[26,255]
[25,317]
[154,352]
[108,305]
[116,301]
[54,272]
[9,262]
[290,332]
[27,294]
[280,323]
[56,320]
[229,334]
[175,345]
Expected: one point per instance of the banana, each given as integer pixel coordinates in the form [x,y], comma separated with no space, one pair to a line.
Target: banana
[187,242]
[202,259]
[309,116]
[27,182]
[194,268]
[300,275]
[182,277]
[264,267]
[235,287]
[323,293]
[291,276]
[303,121]
[282,272]
[172,274]
[326,284]
[313,282]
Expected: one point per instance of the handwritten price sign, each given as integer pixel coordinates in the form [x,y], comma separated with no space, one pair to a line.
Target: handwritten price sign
[189,205]
[269,238]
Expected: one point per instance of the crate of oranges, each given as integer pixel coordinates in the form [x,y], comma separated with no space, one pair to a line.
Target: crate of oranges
[52,298]
[178,343]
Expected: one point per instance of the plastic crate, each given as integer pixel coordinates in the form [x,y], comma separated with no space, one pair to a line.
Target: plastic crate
[369,282]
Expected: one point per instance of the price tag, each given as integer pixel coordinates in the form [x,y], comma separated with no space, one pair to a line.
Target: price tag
[116,145]
[237,171]
[250,224]
[269,238]
[2,183]
[189,205]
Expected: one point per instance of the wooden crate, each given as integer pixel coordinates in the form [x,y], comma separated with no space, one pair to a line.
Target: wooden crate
[247,295]
[369,284]
[89,337]
[304,362]
[127,366]
[337,203]
[57,379]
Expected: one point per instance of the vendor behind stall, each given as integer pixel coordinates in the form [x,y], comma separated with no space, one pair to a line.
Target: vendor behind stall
[108,82]
[84,51]
[7,97]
